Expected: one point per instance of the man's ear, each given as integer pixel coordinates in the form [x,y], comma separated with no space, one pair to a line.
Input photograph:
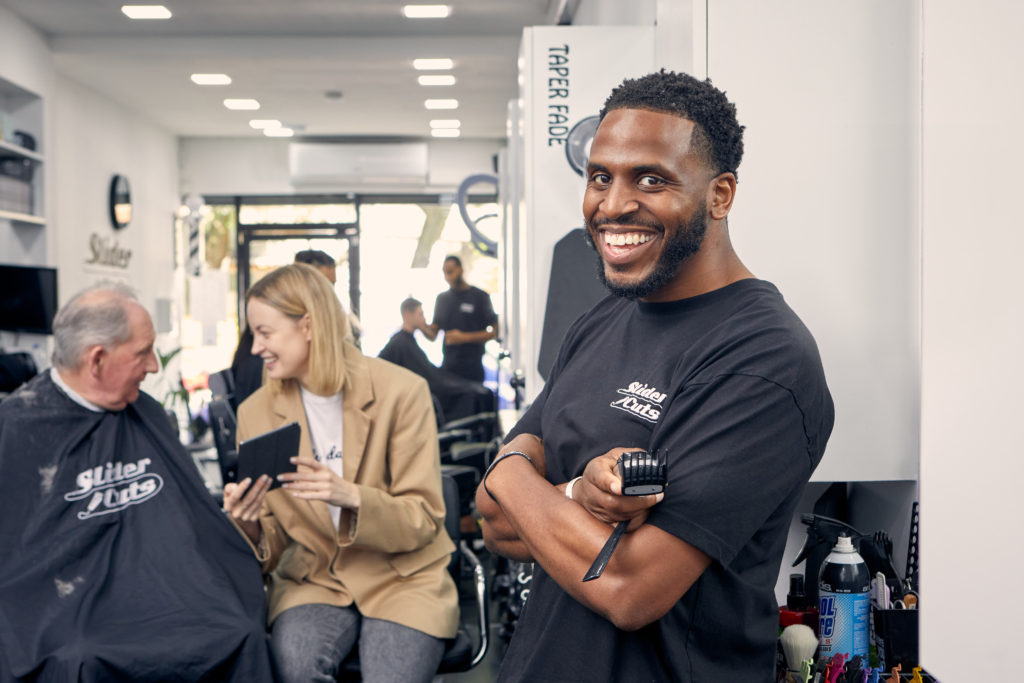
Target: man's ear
[721,192]
[94,358]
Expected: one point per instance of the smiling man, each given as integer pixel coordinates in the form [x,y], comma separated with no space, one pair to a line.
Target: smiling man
[693,357]
[115,562]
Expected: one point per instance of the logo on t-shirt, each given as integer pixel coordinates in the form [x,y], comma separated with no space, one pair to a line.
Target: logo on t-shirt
[640,400]
[466,307]
[333,454]
[114,486]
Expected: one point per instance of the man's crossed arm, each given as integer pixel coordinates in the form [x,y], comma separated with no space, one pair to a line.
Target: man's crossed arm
[528,519]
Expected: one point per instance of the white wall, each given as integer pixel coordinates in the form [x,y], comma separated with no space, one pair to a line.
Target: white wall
[973,340]
[94,140]
[615,13]
[827,202]
[228,166]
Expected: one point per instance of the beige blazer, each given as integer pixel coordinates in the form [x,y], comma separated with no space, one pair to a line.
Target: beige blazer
[391,557]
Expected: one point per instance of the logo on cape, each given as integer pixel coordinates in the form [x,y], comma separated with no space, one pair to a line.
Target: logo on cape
[114,486]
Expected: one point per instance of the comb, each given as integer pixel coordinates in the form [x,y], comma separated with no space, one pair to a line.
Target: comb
[642,474]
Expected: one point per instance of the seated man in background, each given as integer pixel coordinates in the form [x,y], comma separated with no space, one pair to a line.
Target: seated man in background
[115,563]
[458,397]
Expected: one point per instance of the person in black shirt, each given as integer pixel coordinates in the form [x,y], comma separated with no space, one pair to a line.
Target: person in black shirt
[467,317]
[458,397]
[694,357]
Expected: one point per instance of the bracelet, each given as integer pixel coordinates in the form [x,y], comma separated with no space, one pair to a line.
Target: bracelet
[496,461]
[569,487]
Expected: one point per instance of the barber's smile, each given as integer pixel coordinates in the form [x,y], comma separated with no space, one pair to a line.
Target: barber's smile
[622,245]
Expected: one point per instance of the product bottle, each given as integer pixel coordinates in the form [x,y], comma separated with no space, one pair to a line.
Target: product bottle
[797,609]
[844,590]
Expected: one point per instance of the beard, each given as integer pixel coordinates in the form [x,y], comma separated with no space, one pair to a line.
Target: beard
[681,244]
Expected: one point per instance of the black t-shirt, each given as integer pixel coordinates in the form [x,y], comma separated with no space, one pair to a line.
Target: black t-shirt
[468,310]
[730,384]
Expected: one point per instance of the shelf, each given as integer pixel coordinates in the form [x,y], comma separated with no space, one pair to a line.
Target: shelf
[7,147]
[16,217]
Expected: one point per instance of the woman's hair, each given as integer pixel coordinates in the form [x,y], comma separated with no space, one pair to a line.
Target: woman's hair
[297,290]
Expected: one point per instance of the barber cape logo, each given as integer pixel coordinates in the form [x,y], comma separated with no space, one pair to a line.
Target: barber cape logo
[640,400]
[114,486]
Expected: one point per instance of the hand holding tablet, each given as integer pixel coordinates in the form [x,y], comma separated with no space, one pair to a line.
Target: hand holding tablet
[269,454]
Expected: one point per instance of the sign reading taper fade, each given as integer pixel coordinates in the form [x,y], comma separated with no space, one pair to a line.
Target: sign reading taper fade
[566,74]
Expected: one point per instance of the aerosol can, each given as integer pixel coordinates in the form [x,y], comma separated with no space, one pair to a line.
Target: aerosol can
[844,597]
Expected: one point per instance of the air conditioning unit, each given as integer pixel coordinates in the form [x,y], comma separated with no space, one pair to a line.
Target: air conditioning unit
[333,164]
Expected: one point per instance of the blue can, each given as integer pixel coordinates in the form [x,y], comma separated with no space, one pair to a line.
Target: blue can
[844,598]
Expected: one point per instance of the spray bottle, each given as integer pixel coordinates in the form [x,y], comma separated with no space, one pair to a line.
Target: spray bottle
[844,597]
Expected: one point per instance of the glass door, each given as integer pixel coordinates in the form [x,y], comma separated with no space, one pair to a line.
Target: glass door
[271,232]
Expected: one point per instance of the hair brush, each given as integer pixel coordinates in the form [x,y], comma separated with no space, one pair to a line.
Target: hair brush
[642,474]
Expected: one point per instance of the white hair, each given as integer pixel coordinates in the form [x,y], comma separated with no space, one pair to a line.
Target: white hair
[96,315]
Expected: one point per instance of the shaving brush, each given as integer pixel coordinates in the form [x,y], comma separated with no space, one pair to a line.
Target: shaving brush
[798,643]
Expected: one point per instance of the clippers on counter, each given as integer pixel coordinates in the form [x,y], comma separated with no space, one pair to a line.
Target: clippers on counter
[642,474]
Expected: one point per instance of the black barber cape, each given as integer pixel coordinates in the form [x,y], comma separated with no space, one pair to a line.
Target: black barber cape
[115,562]
[458,396]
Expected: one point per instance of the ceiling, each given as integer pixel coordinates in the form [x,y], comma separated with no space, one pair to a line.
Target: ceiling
[287,54]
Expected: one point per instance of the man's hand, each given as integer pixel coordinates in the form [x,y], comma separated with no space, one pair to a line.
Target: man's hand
[600,492]
[453,337]
[244,502]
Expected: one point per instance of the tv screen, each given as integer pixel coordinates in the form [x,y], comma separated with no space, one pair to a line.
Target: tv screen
[28,299]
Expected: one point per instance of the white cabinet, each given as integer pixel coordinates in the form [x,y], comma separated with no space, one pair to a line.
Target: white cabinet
[21,160]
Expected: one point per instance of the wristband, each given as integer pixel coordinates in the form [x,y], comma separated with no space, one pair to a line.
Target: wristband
[569,487]
[496,461]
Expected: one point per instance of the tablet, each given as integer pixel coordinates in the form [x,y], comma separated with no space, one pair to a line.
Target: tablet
[269,454]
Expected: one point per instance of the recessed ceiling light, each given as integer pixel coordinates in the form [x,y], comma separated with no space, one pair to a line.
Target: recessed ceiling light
[146,11]
[260,124]
[437,79]
[445,123]
[441,64]
[441,104]
[211,79]
[278,132]
[241,104]
[445,132]
[426,11]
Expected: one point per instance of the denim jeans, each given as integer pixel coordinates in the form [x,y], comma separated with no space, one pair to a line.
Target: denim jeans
[310,641]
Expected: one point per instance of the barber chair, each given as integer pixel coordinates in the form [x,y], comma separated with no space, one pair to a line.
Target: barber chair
[465,651]
[222,384]
[222,423]
[15,369]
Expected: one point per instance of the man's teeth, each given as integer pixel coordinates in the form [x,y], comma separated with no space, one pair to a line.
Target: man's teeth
[622,239]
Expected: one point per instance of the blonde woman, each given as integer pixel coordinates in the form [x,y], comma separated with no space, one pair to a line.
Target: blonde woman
[354,541]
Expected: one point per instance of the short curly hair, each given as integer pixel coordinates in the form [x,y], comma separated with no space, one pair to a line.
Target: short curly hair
[717,135]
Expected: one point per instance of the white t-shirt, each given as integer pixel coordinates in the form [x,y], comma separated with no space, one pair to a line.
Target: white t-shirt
[323,414]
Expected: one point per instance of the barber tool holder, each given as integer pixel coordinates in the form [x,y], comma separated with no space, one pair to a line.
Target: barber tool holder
[896,636]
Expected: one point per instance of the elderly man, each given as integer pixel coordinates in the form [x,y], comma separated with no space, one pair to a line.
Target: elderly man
[115,564]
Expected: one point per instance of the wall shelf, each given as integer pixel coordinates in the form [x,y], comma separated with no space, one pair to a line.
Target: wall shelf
[7,148]
[25,218]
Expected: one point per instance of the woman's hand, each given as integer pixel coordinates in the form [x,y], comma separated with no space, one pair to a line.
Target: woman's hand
[318,482]
[600,492]
[244,502]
